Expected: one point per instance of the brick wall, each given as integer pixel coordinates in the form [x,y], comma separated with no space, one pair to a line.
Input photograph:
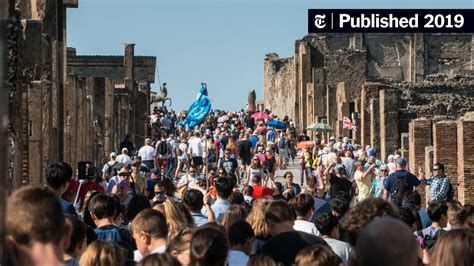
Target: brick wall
[465,137]
[445,149]
[420,135]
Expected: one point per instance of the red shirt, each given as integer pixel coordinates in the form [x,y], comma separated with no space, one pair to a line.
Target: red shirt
[261,191]
[86,187]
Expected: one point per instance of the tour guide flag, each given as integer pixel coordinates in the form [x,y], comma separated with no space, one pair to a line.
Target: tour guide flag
[199,109]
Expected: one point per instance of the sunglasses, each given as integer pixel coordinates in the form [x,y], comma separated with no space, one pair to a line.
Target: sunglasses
[160,193]
[435,169]
[384,170]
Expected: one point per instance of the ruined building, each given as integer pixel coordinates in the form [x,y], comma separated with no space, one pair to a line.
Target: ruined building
[404,91]
[64,107]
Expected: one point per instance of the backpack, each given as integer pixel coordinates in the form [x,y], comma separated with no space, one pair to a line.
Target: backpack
[162,147]
[281,143]
[111,170]
[400,186]
[450,193]
[109,234]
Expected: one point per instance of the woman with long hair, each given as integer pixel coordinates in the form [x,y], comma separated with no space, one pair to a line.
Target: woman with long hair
[233,214]
[176,216]
[179,244]
[256,219]
[454,248]
[209,247]
[255,168]
[102,253]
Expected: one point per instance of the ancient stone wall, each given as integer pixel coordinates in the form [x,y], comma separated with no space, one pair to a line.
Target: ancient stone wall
[279,85]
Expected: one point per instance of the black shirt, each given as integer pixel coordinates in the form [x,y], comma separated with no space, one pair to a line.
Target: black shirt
[244,149]
[229,165]
[339,184]
[284,247]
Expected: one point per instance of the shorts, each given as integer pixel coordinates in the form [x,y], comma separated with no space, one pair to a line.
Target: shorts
[282,153]
[197,161]
[246,161]
[161,163]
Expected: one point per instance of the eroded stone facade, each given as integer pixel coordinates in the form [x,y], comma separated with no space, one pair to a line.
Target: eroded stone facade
[386,83]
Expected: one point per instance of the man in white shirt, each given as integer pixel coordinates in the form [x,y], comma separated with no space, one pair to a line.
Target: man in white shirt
[150,233]
[327,225]
[197,150]
[241,237]
[123,158]
[303,205]
[147,153]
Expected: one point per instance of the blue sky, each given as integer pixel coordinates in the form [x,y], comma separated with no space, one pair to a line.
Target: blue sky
[221,42]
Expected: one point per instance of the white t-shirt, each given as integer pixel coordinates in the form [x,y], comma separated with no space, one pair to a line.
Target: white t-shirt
[237,258]
[196,146]
[137,256]
[184,148]
[187,178]
[174,145]
[307,227]
[342,249]
[124,159]
[147,153]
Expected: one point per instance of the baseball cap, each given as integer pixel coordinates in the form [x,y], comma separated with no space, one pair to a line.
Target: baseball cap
[401,161]
[124,149]
[113,154]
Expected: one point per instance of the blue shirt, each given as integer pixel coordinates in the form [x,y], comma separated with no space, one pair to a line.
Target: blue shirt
[67,207]
[254,140]
[199,219]
[219,208]
[412,180]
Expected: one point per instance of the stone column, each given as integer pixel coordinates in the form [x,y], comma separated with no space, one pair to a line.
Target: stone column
[129,80]
[375,124]
[465,132]
[445,149]
[429,161]
[420,135]
[389,135]
[364,118]
[109,117]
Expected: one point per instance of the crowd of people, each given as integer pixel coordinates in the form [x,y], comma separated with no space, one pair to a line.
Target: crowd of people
[212,196]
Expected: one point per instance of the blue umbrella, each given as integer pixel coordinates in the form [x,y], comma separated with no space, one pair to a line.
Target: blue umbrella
[277,124]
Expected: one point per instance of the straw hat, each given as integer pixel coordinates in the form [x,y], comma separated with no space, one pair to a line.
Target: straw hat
[124,171]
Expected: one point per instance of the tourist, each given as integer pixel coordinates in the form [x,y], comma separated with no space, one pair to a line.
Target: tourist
[386,241]
[104,213]
[363,180]
[400,182]
[183,156]
[190,179]
[454,248]
[245,151]
[177,216]
[163,154]
[124,158]
[327,225]
[290,189]
[230,165]
[317,255]
[255,168]
[438,213]
[303,206]
[282,145]
[196,150]
[147,154]
[457,216]
[58,177]
[194,200]
[439,184]
[150,233]
[209,247]
[35,228]
[179,245]
[109,170]
[138,179]
[241,237]
[123,188]
[127,144]
[348,163]
[224,188]
[159,259]
[103,253]
[233,214]
[77,242]
[260,190]
[338,180]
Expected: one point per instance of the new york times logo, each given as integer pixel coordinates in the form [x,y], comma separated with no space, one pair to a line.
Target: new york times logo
[319,21]
[396,20]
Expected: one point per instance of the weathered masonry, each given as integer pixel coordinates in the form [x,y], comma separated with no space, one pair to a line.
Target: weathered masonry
[385,83]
